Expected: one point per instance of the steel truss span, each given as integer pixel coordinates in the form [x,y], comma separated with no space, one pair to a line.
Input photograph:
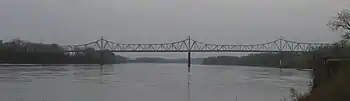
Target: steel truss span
[279,45]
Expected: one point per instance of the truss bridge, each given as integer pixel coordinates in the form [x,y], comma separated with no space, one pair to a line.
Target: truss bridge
[190,45]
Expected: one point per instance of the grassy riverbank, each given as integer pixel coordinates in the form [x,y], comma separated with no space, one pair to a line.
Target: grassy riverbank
[331,81]
[288,60]
[337,89]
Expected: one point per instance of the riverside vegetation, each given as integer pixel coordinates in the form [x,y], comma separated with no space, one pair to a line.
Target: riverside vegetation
[331,82]
[330,65]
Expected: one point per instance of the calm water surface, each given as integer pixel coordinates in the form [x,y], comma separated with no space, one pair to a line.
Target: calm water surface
[148,82]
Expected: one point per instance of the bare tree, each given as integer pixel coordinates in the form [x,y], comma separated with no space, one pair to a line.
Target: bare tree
[341,21]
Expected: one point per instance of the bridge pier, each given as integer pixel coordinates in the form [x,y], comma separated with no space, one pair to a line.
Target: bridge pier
[102,48]
[189,55]
[189,62]
[281,56]
[280,62]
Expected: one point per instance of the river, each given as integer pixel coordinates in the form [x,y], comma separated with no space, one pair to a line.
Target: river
[148,82]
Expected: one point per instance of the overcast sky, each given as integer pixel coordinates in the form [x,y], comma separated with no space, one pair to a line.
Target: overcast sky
[157,21]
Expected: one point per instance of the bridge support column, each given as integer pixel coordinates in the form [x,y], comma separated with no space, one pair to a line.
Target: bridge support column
[189,62]
[280,62]
[281,58]
[189,55]
[102,48]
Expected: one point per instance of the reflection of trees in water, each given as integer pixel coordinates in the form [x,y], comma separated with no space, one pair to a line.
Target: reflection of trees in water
[94,73]
[30,73]
[286,73]
[27,74]
[273,71]
[106,70]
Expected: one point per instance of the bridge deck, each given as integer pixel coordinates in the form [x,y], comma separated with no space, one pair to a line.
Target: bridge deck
[279,45]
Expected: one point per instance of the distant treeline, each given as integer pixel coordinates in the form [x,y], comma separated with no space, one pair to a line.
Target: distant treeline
[163,60]
[289,60]
[21,52]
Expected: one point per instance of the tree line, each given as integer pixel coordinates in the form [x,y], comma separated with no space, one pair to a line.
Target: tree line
[23,52]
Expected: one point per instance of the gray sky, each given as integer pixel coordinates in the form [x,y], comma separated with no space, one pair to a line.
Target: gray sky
[157,21]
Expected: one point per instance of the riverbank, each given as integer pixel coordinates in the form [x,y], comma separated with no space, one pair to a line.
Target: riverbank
[278,60]
[331,68]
